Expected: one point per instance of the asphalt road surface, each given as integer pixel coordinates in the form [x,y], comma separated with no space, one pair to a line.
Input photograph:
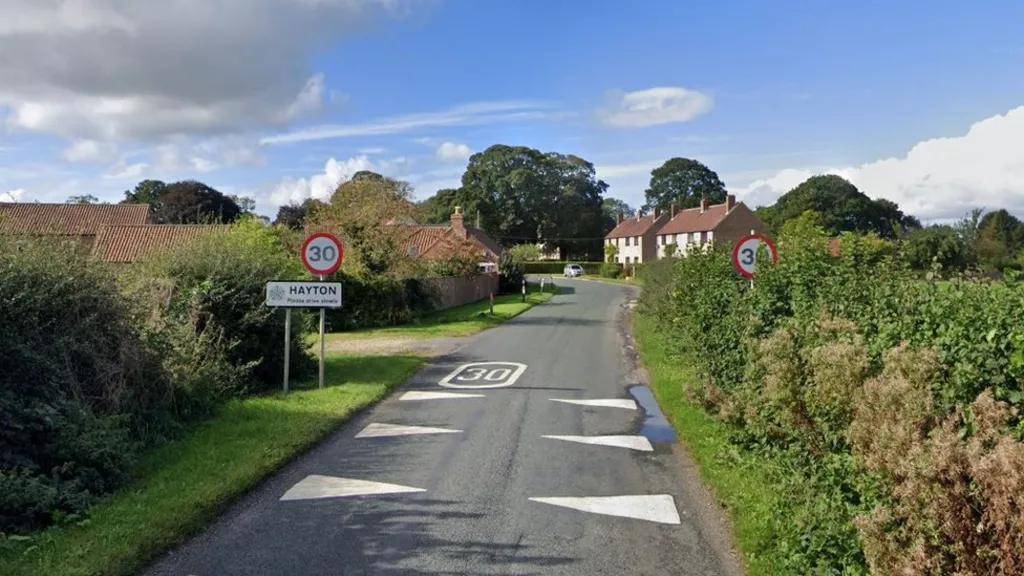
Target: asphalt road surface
[504,479]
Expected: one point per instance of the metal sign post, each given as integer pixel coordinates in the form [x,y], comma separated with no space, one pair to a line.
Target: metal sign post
[321,382]
[287,344]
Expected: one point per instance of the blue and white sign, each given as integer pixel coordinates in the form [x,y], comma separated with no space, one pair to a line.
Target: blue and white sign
[304,294]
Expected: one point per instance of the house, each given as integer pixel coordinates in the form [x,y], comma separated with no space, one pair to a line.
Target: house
[634,238]
[129,243]
[437,243]
[700,227]
[77,222]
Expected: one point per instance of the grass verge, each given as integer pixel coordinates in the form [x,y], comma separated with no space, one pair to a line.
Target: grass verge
[622,281]
[741,481]
[462,320]
[184,484]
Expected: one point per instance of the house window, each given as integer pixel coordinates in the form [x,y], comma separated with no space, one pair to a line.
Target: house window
[703,237]
[693,237]
[636,241]
[627,259]
[664,240]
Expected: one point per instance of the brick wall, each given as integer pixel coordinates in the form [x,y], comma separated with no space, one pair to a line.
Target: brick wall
[458,290]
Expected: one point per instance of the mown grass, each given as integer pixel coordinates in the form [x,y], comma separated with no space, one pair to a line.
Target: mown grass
[184,484]
[741,481]
[462,320]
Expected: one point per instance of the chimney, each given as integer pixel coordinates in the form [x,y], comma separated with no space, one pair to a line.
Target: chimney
[619,219]
[730,202]
[703,204]
[457,225]
[657,212]
[672,213]
[637,215]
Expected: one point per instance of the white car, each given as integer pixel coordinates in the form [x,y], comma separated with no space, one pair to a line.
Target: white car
[572,270]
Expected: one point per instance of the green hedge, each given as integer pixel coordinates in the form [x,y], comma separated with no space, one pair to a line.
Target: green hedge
[557,267]
[893,402]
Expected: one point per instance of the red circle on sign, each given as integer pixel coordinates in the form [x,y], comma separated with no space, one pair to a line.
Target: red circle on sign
[739,243]
[339,245]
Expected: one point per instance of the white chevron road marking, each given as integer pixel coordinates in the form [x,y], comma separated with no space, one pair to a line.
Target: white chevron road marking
[417,395]
[660,508]
[634,442]
[604,403]
[316,486]
[377,430]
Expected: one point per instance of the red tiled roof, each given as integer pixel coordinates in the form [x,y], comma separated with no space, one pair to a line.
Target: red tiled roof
[438,242]
[130,243]
[67,219]
[486,241]
[692,220]
[635,226]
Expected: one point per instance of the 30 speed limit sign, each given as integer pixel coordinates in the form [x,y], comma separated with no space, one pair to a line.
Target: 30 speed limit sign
[744,254]
[322,254]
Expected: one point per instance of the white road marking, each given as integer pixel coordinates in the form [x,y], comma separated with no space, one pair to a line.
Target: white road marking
[417,395]
[377,430]
[605,403]
[660,508]
[477,375]
[316,486]
[635,442]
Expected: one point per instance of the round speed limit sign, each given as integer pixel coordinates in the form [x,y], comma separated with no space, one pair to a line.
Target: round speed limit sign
[744,254]
[322,254]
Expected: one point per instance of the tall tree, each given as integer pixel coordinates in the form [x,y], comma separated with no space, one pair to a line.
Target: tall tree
[185,202]
[369,212]
[524,195]
[842,207]
[612,209]
[1000,238]
[145,192]
[294,215]
[683,182]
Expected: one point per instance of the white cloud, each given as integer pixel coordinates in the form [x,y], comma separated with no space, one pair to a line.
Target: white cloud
[110,69]
[319,186]
[660,105]
[310,98]
[472,114]
[940,178]
[12,195]
[90,151]
[453,152]
[606,171]
[123,171]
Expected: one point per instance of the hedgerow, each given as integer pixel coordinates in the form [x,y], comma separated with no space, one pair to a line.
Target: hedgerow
[894,401]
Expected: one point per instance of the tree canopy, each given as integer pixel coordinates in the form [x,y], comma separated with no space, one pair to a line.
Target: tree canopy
[683,182]
[611,209]
[294,215]
[524,195]
[185,202]
[842,207]
[368,211]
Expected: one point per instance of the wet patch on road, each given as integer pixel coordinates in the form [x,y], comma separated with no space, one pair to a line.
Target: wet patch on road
[655,426]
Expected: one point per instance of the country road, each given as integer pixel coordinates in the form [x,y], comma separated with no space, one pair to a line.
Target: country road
[537,461]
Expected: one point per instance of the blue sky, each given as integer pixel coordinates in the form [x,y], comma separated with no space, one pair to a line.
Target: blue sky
[919,102]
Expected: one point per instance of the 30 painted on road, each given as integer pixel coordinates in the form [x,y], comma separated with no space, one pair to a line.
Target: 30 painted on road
[484,375]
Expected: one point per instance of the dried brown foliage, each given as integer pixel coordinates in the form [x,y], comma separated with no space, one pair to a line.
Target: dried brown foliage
[957,483]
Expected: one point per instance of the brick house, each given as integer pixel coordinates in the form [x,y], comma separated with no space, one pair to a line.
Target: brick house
[635,238]
[436,243]
[706,224]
